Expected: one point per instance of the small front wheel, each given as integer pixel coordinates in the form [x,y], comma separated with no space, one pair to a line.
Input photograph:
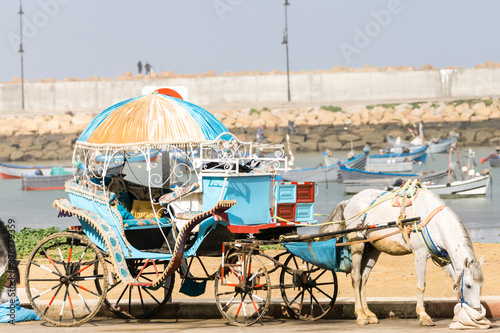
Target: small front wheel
[242,289]
[60,279]
[308,291]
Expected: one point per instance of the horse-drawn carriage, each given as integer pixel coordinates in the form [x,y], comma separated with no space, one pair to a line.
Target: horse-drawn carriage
[137,230]
[210,193]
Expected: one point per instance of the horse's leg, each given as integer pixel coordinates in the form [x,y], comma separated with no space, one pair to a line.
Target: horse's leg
[420,267]
[370,258]
[357,261]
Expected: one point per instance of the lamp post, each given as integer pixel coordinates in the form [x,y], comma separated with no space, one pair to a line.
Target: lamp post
[21,51]
[285,44]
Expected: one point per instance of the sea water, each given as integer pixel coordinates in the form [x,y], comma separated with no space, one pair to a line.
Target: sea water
[479,214]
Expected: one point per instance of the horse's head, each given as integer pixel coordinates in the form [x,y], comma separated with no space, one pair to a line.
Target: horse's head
[470,282]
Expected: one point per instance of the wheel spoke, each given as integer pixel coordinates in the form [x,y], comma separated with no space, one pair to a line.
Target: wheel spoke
[45,268]
[121,295]
[81,298]
[151,295]
[142,299]
[321,291]
[51,261]
[89,277]
[53,297]
[60,253]
[85,289]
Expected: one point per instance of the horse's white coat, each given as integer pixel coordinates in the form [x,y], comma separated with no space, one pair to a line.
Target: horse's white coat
[446,230]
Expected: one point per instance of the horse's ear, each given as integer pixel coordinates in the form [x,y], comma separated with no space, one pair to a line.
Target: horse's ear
[480,262]
[466,263]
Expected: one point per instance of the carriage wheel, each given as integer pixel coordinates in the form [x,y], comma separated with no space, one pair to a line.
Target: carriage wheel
[120,297]
[243,290]
[60,279]
[308,291]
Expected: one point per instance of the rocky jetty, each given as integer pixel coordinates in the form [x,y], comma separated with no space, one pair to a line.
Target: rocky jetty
[52,137]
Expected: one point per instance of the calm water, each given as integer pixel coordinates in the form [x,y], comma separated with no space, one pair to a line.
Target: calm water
[480,215]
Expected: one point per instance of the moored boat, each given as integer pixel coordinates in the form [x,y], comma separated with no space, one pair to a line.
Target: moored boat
[12,171]
[474,186]
[419,155]
[389,166]
[358,180]
[326,173]
[50,182]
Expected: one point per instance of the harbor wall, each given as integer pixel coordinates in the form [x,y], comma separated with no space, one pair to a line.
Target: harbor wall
[94,94]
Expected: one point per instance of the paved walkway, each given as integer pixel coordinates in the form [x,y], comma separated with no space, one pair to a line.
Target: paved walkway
[214,325]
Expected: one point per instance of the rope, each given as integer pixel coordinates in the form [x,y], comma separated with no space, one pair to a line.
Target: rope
[382,199]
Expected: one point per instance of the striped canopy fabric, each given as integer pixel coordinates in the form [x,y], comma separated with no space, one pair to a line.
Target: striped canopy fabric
[152,119]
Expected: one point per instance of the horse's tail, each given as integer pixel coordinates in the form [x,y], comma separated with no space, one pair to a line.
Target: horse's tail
[337,217]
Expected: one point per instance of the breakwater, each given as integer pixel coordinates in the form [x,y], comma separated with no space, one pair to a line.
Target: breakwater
[337,85]
[336,127]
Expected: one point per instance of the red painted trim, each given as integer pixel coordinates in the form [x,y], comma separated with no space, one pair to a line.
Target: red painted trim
[253,229]
[29,188]
[7,176]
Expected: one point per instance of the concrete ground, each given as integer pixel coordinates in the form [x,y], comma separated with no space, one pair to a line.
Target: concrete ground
[193,315]
[211,325]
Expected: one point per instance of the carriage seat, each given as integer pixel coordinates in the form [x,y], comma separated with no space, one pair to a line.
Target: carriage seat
[129,224]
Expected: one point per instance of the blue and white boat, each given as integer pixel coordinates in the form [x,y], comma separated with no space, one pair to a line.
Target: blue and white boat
[418,155]
[324,174]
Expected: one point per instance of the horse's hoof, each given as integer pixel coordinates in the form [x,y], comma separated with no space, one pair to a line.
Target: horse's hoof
[426,322]
[361,321]
[372,320]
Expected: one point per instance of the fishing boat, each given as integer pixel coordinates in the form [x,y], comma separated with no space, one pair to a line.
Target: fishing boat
[58,177]
[325,173]
[12,171]
[475,186]
[50,182]
[358,180]
[389,166]
[419,155]
[435,145]
[471,183]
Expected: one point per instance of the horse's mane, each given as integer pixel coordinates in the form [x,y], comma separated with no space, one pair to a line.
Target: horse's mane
[463,234]
[337,219]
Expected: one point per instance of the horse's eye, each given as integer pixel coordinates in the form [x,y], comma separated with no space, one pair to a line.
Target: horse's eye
[468,286]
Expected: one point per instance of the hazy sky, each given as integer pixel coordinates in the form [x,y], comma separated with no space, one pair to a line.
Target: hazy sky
[81,38]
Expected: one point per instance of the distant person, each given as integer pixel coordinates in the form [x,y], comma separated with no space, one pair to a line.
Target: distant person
[147,67]
[139,67]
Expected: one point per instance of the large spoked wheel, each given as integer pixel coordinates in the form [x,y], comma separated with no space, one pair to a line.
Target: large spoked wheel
[308,291]
[140,301]
[242,290]
[60,279]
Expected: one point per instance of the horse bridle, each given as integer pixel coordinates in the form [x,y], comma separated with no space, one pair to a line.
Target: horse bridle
[460,291]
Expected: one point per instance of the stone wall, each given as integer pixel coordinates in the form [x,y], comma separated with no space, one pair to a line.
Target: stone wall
[253,88]
[51,137]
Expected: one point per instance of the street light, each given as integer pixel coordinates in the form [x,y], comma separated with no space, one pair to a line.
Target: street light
[21,51]
[285,44]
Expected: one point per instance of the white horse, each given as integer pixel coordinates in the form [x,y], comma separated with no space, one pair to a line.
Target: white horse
[446,231]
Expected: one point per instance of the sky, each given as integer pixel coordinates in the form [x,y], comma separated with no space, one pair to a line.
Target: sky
[82,38]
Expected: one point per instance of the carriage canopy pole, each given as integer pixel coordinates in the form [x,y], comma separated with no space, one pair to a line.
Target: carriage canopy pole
[165,168]
[346,231]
